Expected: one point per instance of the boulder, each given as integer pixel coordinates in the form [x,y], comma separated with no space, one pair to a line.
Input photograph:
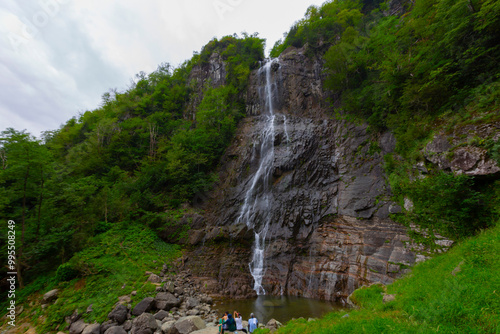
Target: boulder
[92,329]
[166,301]
[388,298]
[107,324]
[77,327]
[127,326]
[189,324]
[192,303]
[169,287]
[473,161]
[208,330]
[144,324]
[115,330]
[124,299]
[273,325]
[119,314]
[153,278]
[72,318]
[144,306]
[50,296]
[162,314]
[168,327]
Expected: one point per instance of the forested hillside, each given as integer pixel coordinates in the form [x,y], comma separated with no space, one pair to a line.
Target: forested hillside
[137,156]
[126,171]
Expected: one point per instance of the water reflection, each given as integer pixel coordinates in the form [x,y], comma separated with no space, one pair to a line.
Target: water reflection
[282,308]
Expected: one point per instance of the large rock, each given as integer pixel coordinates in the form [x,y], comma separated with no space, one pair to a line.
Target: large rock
[50,296]
[119,314]
[169,287]
[77,327]
[160,315]
[192,303]
[166,301]
[144,324]
[107,324]
[115,330]
[92,329]
[189,324]
[473,161]
[169,327]
[273,325]
[143,306]
[153,278]
[127,325]
[208,330]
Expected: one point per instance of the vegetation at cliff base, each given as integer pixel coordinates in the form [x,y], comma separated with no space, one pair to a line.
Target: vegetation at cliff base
[456,292]
[113,264]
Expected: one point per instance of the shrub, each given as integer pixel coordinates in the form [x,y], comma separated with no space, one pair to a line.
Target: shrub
[66,272]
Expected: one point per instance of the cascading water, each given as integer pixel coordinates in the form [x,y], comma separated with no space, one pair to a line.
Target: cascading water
[255,212]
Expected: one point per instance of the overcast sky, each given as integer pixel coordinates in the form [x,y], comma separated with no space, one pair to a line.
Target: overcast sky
[57,57]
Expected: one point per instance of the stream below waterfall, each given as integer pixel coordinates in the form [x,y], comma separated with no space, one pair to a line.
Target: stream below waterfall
[282,308]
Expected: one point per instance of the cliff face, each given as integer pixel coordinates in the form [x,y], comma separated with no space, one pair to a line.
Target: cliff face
[327,203]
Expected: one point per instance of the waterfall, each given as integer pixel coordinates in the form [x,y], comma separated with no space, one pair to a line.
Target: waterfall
[286,130]
[255,212]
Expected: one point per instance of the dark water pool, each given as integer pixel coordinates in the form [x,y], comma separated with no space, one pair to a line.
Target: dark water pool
[282,308]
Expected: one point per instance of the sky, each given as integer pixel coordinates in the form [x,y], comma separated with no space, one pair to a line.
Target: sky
[58,57]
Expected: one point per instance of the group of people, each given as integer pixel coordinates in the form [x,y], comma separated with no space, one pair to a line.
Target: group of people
[232,323]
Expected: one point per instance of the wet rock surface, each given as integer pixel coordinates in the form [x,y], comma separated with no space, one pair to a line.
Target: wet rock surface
[329,198]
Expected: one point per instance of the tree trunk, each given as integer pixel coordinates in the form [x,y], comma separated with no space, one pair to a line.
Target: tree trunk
[23,229]
[40,204]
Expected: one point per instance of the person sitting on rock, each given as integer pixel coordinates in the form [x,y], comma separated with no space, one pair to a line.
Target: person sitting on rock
[239,322]
[252,323]
[222,323]
[231,324]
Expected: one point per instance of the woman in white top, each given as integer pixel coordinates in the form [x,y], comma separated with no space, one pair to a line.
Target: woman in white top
[239,322]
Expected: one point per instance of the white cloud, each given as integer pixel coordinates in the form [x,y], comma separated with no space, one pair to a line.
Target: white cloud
[59,56]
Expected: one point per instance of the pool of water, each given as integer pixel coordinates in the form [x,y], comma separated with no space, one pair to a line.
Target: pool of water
[282,308]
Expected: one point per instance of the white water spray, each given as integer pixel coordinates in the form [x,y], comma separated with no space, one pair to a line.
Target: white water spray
[255,212]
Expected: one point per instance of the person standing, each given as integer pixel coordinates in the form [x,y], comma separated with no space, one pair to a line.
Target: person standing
[239,322]
[252,323]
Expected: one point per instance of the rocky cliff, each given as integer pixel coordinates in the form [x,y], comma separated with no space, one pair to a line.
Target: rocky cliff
[329,200]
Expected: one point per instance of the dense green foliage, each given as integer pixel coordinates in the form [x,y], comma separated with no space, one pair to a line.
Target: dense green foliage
[135,159]
[394,70]
[453,293]
[454,205]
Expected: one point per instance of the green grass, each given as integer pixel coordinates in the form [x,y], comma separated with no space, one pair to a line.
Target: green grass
[113,265]
[456,292]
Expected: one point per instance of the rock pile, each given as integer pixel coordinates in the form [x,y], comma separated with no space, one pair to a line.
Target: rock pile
[177,307]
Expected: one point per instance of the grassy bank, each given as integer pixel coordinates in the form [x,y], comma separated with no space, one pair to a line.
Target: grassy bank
[112,265]
[456,292]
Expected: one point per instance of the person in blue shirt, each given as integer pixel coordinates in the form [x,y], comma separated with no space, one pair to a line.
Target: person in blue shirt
[252,323]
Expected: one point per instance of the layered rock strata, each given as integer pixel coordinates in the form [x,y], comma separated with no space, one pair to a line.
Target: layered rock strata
[329,230]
